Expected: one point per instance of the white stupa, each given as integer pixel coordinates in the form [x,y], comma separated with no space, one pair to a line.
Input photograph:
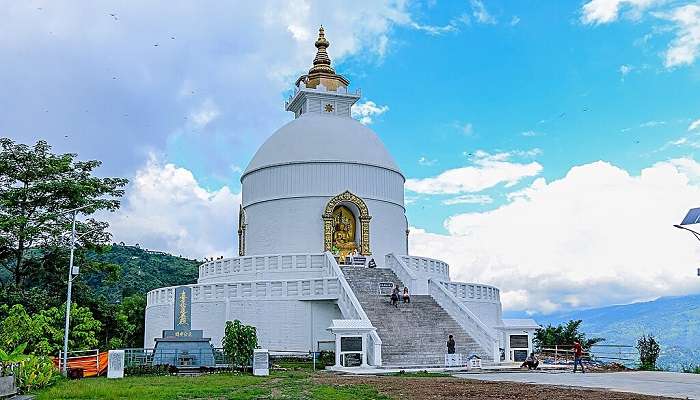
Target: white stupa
[321,193]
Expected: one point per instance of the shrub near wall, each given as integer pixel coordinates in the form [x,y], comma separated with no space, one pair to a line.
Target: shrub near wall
[239,342]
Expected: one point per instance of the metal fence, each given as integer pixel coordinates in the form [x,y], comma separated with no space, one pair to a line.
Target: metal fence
[626,355]
[135,357]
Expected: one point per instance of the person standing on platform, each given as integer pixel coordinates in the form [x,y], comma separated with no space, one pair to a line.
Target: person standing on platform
[450,345]
[578,356]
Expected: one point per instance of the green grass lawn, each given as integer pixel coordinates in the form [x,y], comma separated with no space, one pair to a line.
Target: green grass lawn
[279,385]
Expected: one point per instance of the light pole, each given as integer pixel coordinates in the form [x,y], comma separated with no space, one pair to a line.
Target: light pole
[64,368]
[692,218]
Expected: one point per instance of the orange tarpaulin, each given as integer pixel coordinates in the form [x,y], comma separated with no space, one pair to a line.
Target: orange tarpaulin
[92,365]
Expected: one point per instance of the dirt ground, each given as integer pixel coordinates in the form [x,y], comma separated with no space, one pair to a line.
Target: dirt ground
[455,388]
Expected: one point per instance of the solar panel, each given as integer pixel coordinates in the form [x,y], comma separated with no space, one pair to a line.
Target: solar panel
[693,217]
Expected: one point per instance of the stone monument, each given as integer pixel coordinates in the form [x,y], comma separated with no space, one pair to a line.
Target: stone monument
[182,346]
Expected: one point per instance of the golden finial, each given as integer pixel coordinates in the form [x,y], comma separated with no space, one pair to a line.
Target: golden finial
[322,63]
[322,72]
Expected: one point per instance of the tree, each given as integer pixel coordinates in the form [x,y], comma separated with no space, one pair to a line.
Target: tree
[43,332]
[128,322]
[239,342]
[563,334]
[37,187]
[649,351]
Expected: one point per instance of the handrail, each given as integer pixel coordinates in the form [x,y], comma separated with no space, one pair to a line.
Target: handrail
[465,318]
[427,266]
[355,311]
[405,274]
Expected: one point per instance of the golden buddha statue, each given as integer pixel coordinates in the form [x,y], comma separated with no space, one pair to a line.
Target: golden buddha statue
[343,232]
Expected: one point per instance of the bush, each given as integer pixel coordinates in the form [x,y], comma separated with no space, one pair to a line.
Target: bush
[152,370]
[326,358]
[649,350]
[691,369]
[239,342]
[36,372]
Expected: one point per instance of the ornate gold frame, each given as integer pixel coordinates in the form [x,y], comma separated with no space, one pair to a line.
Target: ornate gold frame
[346,197]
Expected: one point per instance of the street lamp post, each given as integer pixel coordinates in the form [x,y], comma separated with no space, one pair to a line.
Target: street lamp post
[64,368]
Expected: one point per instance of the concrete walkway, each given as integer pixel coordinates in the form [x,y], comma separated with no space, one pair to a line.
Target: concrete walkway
[670,384]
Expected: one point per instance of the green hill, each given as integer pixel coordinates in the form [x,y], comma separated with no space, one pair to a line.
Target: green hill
[141,270]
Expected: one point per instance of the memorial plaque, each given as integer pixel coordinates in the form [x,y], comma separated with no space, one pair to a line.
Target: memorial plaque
[261,362]
[115,364]
[386,287]
[519,355]
[352,360]
[518,342]
[183,308]
[351,343]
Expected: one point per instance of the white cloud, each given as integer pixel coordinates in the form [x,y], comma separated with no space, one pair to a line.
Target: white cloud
[685,47]
[594,237]
[249,53]
[694,125]
[605,11]
[467,129]
[515,20]
[469,199]
[625,69]
[531,133]
[364,112]
[652,124]
[489,170]
[481,13]
[165,208]
[426,162]
[204,114]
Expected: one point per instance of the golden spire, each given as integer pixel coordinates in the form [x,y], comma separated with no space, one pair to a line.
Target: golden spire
[322,63]
[322,72]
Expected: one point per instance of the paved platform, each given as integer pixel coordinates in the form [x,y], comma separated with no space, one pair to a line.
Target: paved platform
[670,384]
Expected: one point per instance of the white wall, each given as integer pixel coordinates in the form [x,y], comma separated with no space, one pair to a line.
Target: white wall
[295,226]
[292,325]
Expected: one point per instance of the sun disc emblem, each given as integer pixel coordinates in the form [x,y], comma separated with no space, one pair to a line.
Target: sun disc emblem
[329,108]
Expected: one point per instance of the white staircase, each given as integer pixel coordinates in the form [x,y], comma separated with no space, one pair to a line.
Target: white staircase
[416,333]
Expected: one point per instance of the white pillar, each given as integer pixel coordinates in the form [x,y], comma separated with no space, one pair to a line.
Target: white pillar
[364,351]
[337,350]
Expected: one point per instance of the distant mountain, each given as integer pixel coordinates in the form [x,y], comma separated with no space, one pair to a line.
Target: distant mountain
[142,270]
[675,321]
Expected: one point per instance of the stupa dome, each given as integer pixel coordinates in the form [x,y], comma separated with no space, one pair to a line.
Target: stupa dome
[315,137]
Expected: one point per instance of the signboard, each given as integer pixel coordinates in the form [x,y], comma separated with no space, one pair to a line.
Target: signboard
[350,343]
[115,364]
[386,287]
[261,362]
[183,308]
[519,355]
[518,342]
[453,360]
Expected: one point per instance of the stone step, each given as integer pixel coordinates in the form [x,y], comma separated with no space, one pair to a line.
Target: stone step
[415,333]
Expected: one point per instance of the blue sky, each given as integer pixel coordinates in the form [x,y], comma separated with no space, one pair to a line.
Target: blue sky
[547,146]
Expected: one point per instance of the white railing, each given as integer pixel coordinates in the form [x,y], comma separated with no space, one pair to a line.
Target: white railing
[473,291]
[466,319]
[406,275]
[262,264]
[303,289]
[351,308]
[427,266]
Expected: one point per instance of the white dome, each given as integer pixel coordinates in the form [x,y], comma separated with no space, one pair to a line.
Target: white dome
[322,138]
